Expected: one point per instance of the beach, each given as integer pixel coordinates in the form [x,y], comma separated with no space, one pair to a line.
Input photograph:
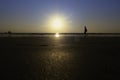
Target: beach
[62,58]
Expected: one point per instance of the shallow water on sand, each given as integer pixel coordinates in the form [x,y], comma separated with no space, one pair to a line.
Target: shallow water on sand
[63,58]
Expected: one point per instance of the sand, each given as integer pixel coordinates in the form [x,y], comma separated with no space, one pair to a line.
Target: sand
[63,58]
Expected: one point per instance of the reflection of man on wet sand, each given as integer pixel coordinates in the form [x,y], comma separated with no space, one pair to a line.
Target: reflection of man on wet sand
[85,30]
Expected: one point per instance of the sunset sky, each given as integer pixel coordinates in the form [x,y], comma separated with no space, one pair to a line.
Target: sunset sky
[100,16]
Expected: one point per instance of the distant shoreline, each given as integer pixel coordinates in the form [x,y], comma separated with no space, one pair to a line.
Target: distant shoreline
[61,33]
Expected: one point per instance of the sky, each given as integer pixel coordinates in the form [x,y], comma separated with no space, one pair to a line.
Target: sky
[34,16]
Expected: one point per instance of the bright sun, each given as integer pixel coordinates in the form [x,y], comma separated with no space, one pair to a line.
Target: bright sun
[57,22]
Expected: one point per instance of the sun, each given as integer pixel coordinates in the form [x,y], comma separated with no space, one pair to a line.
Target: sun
[57,23]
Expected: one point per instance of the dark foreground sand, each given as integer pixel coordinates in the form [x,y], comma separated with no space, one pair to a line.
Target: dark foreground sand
[63,58]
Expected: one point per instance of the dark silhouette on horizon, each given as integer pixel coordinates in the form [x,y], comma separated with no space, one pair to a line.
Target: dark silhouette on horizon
[9,33]
[85,30]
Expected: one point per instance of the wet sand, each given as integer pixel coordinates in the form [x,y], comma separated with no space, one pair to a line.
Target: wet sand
[63,58]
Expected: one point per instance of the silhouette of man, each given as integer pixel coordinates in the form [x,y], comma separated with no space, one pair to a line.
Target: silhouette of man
[85,30]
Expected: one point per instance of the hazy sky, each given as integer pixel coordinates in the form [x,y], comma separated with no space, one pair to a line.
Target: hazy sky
[34,15]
